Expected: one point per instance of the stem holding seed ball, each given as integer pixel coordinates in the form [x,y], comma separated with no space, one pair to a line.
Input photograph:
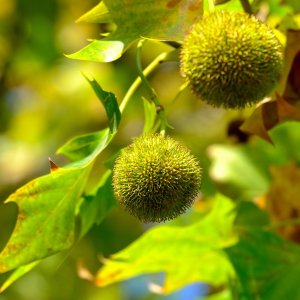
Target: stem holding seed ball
[148,70]
[151,92]
[246,6]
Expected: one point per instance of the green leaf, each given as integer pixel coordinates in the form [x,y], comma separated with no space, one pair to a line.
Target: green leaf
[163,20]
[248,166]
[101,51]
[46,217]
[249,215]
[18,273]
[187,254]
[92,144]
[268,267]
[232,164]
[110,104]
[98,14]
[95,207]
[150,115]
[82,146]
[47,205]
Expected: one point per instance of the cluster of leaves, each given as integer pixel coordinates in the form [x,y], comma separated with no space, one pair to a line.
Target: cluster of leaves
[234,246]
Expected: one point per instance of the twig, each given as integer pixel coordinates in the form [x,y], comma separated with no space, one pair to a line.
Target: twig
[148,70]
[151,92]
[246,6]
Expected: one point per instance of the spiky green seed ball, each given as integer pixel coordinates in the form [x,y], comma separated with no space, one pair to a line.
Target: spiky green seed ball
[231,59]
[156,178]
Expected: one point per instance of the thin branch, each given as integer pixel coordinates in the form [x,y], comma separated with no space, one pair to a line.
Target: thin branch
[148,70]
[246,6]
[151,92]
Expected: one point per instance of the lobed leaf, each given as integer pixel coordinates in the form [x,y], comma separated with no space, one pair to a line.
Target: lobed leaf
[163,20]
[47,205]
[186,254]
[45,223]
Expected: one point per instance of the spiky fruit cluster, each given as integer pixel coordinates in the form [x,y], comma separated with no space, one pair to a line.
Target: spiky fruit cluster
[156,178]
[231,59]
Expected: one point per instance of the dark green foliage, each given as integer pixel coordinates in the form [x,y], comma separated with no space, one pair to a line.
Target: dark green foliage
[231,59]
[268,271]
[156,178]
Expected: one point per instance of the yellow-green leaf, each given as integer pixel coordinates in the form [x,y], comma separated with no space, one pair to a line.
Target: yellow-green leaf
[166,20]
[19,272]
[98,14]
[82,146]
[186,254]
[46,217]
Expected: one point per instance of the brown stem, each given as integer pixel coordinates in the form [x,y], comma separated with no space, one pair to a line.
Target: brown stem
[246,6]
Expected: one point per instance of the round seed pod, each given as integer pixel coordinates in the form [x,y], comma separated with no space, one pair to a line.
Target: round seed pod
[156,178]
[231,59]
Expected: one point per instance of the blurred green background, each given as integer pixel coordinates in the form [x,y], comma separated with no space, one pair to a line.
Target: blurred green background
[45,100]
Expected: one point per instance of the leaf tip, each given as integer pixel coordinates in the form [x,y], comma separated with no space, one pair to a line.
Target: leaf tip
[99,51]
[53,166]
